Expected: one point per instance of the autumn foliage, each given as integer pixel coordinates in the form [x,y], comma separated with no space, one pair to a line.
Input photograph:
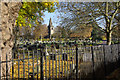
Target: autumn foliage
[40,31]
[82,32]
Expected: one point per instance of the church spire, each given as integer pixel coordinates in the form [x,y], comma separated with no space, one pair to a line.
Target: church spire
[50,28]
[50,22]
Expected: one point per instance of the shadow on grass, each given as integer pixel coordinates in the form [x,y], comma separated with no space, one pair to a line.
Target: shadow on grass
[100,72]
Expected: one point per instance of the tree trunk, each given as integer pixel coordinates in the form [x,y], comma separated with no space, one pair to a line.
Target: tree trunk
[109,37]
[9,13]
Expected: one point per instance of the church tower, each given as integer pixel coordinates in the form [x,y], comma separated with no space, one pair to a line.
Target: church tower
[50,29]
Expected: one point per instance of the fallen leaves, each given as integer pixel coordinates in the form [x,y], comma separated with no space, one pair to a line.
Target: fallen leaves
[51,68]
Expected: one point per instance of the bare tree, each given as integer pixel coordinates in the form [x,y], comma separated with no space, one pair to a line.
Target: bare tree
[101,14]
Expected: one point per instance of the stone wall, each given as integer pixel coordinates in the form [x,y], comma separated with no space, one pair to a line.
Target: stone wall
[9,13]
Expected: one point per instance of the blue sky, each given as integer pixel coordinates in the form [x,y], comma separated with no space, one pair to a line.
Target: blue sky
[54,16]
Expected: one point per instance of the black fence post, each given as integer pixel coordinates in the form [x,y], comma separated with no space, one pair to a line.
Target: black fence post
[104,60]
[118,52]
[93,75]
[13,63]
[41,65]
[6,67]
[76,60]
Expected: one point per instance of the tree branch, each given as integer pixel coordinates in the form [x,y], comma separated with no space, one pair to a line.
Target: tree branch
[113,15]
[97,24]
[106,13]
[113,27]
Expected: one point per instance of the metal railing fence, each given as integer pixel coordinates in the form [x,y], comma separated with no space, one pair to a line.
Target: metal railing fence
[47,61]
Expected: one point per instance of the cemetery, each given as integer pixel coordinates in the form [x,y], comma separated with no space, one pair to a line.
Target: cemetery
[42,40]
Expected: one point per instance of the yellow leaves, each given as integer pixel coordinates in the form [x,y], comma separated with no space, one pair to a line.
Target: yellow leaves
[32,16]
[37,22]
[45,67]
[24,6]
[65,12]
[16,22]
[36,0]
[90,44]
[78,12]
[57,2]
[22,21]
[20,25]
[90,38]
[30,8]
[103,37]
[23,24]
[31,70]
[41,19]
[46,4]
[52,2]
[30,25]
[84,7]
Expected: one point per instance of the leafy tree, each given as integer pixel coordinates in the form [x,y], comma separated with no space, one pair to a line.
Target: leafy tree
[116,32]
[82,32]
[40,31]
[25,33]
[59,32]
[29,12]
[30,15]
[97,33]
